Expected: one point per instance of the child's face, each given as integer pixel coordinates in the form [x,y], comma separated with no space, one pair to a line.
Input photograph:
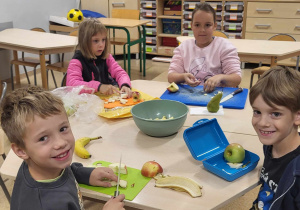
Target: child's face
[49,145]
[275,126]
[203,26]
[98,43]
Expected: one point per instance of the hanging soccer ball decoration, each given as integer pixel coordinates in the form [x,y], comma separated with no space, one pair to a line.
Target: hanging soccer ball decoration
[75,15]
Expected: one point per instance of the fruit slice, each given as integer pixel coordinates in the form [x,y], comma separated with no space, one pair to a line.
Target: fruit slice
[173,87]
[180,184]
[115,168]
[136,96]
[122,183]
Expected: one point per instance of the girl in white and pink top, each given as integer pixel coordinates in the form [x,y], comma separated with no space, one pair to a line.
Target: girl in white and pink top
[206,60]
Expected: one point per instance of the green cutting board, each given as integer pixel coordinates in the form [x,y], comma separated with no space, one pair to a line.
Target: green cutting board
[135,183]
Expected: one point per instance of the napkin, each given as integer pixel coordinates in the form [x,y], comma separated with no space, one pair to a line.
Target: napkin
[204,111]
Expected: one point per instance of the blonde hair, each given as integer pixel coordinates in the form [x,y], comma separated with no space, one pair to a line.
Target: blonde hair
[20,106]
[278,86]
[88,28]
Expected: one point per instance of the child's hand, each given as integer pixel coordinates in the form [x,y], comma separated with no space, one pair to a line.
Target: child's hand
[191,80]
[127,90]
[212,82]
[108,89]
[98,176]
[115,203]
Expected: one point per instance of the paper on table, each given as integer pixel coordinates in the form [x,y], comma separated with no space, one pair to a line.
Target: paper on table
[204,111]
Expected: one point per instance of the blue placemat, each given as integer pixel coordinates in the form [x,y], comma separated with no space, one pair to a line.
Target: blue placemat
[195,96]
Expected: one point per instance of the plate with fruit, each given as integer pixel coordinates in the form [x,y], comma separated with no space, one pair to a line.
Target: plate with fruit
[207,142]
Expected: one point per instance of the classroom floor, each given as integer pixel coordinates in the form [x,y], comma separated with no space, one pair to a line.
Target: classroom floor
[154,71]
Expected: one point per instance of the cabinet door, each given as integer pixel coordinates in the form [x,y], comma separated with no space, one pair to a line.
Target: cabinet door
[96,6]
[124,4]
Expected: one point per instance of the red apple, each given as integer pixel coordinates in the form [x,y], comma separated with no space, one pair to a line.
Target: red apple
[136,96]
[173,87]
[151,169]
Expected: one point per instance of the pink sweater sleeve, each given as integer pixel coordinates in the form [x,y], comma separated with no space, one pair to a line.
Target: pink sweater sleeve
[116,71]
[74,76]
[177,62]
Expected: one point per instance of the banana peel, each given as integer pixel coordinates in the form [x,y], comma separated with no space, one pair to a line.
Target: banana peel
[80,150]
[181,184]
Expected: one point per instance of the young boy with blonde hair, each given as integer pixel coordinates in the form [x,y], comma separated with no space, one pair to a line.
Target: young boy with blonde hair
[275,100]
[37,126]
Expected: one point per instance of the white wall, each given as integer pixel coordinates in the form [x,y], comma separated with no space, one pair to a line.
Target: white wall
[27,14]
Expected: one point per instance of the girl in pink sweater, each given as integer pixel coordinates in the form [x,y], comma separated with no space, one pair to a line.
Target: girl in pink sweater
[92,65]
[206,60]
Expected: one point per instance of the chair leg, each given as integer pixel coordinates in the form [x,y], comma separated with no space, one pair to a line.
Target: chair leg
[12,77]
[124,56]
[54,80]
[4,189]
[25,70]
[251,80]
[141,57]
[34,76]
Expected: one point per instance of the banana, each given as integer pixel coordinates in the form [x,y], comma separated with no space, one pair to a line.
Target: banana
[180,184]
[79,146]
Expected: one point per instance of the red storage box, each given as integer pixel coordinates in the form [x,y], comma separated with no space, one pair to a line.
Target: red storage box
[170,42]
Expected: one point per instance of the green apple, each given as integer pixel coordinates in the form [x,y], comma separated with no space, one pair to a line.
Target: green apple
[173,87]
[234,153]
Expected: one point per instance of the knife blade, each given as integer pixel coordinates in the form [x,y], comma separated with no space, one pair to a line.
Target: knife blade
[239,90]
[117,191]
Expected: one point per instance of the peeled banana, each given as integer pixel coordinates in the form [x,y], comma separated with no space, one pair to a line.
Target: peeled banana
[181,184]
[79,146]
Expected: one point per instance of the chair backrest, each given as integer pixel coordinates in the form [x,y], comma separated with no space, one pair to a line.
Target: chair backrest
[126,13]
[38,29]
[282,37]
[220,34]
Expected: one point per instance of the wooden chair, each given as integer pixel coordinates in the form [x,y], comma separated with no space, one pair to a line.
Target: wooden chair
[2,152]
[126,14]
[61,66]
[262,69]
[28,61]
[220,34]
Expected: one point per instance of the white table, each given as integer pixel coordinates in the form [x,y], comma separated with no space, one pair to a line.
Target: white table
[37,43]
[123,136]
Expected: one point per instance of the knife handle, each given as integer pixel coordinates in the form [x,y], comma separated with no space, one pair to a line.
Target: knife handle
[116,194]
[237,91]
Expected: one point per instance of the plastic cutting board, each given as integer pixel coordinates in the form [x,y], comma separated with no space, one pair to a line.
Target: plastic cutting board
[195,96]
[134,176]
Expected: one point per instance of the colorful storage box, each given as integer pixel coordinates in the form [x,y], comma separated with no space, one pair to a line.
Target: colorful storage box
[171,26]
[233,27]
[233,17]
[148,13]
[234,6]
[148,4]
[216,5]
[207,142]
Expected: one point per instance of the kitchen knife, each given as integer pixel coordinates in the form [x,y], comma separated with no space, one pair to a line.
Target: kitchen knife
[239,90]
[117,191]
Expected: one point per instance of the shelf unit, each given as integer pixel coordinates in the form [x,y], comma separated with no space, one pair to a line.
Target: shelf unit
[230,19]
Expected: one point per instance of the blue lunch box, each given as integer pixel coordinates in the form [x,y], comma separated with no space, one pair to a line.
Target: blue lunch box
[207,142]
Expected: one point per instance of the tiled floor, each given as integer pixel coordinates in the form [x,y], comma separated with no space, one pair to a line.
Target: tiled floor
[155,71]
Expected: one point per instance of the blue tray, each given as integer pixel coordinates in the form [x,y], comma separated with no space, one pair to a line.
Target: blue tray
[207,142]
[196,96]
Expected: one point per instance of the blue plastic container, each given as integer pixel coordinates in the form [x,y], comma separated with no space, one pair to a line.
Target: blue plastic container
[207,142]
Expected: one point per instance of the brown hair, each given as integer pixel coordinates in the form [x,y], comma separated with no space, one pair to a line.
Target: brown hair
[278,86]
[203,6]
[88,28]
[20,106]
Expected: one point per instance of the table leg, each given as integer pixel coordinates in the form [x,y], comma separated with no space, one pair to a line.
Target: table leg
[43,70]
[17,72]
[144,50]
[273,61]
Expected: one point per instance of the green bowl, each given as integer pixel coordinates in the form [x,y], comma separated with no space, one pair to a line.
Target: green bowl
[148,116]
